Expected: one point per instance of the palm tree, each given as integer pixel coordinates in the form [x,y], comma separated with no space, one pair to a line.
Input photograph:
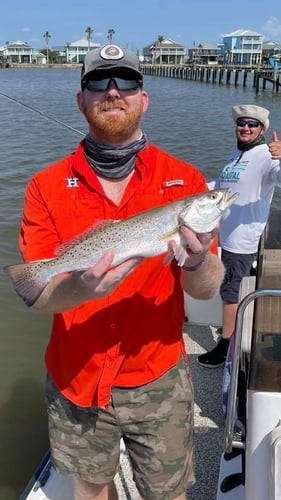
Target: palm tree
[200,48]
[160,40]
[89,32]
[266,53]
[110,34]
[227,56]
[47,37]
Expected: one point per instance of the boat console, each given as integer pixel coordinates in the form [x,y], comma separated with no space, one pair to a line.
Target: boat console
[251,464]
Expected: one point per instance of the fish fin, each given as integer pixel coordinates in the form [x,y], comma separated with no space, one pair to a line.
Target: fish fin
[97,226]
[168,258]
[177,252]
[170,235]
[24,282]
[180,254]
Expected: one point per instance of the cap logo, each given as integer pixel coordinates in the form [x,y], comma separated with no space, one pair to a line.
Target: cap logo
[111,52]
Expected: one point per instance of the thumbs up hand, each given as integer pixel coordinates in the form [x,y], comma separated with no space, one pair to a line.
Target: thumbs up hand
[275,146]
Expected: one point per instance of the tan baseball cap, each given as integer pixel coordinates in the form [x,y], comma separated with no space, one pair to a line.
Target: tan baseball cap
[251,111]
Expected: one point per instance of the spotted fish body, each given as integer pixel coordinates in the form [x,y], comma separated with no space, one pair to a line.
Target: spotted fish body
[143,235]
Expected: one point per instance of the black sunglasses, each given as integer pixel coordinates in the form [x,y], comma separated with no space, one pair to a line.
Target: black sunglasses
[103,84]
[251,123]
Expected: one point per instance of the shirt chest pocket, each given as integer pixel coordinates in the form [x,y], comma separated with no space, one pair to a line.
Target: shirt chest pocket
[74,217]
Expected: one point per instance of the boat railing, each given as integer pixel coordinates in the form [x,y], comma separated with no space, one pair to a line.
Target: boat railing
[232,396]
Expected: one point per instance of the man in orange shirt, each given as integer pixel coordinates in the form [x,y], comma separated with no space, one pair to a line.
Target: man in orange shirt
[116,360]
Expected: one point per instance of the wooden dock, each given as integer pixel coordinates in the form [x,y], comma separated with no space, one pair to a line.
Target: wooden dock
[260,77]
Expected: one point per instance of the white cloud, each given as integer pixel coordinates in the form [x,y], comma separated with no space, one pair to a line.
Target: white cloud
[26,29]
[272,28]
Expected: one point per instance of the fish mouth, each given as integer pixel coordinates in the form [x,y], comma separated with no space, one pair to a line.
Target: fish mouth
[229,198]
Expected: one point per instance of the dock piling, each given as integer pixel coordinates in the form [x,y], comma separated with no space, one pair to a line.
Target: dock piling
[218,74]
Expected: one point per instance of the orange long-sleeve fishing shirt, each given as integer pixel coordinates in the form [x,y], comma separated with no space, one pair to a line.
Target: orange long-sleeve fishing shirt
[134,335]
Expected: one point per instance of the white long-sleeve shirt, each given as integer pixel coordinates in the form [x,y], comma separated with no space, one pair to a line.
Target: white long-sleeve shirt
[254,176]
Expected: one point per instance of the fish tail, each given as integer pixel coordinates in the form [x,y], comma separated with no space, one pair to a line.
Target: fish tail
[26,281]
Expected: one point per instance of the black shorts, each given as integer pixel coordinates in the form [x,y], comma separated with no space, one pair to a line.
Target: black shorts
[237,266]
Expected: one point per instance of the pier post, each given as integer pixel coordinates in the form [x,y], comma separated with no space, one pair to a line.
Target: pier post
[228,76]
[257,82]
[275,78]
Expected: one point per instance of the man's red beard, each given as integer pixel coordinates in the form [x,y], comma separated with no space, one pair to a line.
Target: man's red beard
[113,127]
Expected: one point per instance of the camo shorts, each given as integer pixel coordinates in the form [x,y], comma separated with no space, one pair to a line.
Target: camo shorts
[155,421]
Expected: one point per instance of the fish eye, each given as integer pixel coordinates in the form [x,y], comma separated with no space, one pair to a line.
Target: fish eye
[214,196]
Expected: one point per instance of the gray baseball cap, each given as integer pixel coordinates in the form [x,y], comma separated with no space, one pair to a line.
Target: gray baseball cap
[109,58]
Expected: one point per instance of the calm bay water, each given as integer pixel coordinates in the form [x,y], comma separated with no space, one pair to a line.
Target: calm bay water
[189,119]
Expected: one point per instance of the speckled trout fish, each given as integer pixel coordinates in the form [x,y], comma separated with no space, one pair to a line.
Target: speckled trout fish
[143,235]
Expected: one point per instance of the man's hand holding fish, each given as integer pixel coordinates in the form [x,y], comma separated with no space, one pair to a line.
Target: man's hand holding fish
[192,254]
[65,291]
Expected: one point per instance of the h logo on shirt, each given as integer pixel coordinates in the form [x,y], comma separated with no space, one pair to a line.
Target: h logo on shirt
[72,182]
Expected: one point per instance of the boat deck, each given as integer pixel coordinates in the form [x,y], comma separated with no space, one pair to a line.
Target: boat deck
[209,421]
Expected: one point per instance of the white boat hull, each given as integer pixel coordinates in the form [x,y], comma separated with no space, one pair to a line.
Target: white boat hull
[228,467]
[264,413]
[47,484]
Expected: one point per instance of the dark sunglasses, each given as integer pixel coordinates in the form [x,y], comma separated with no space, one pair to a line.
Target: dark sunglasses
[103,84]
[251,123]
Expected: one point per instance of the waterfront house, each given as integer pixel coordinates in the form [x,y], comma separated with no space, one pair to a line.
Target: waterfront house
[243,47]
[165,52]
[38,57]
[60,51]
[204,53]
[271,49]
[17,52]
[76,51]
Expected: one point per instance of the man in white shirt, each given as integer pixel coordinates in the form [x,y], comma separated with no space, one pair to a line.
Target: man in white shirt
[253,169]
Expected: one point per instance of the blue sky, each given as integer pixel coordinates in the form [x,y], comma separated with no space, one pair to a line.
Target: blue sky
[136,23]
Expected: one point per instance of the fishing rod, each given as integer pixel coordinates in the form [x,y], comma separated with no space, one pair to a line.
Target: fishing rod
[122,475]
[48,117]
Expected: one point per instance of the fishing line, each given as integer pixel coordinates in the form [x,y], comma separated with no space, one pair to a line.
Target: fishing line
[123,480]
[75,130]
